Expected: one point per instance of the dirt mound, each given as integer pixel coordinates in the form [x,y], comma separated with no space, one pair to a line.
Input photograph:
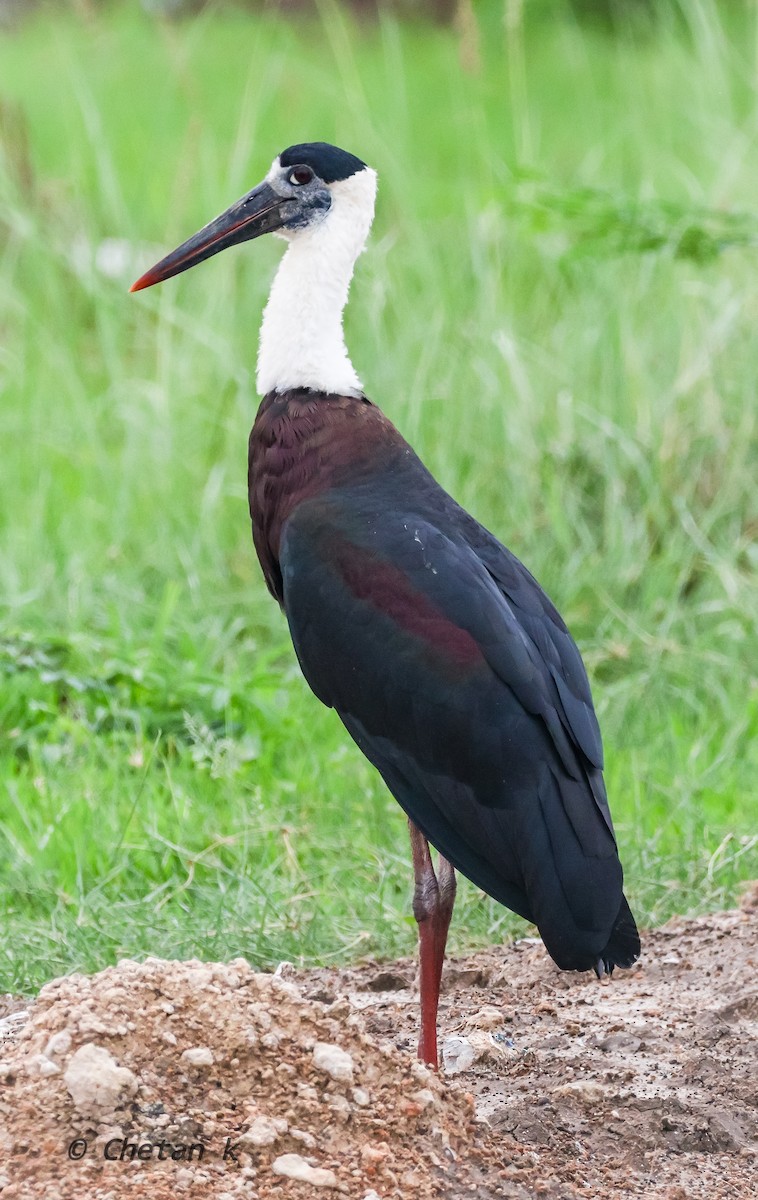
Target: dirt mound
[174,1078]
[159,1077]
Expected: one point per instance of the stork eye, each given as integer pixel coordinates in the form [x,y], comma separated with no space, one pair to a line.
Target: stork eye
[301,175]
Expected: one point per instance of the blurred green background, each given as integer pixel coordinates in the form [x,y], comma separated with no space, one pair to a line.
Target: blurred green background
[558,307]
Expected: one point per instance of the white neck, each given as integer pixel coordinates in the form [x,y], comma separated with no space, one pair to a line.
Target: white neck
[302,344]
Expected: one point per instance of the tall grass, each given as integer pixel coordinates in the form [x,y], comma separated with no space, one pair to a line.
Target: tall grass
[558,307]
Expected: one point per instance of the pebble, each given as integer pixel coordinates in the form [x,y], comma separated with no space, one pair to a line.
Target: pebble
[334,1061]
[294,1166]
[302,1135]
[422,1074]
[95,1081]
[460,1052]
[264,1131]
[620,1041]
[584,1090]
[198,1056]
[487,1017]
[40,1064]
[59,1043]
[457,1054]
[340,1106]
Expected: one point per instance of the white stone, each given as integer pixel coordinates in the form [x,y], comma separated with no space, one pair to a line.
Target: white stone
[198,1056]
[40,1064]
[457,1054]
[334,1061]
[294,1166]
[263,1131]
[421,1073]
[59,1043]
[96,1083]
[302,1135]
[106,1132]
[340,1106]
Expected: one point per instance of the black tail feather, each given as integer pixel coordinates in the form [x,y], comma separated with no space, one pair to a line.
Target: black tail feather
[623,947]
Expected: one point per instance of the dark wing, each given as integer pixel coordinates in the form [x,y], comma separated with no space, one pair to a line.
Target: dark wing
[547,634]
[406,632]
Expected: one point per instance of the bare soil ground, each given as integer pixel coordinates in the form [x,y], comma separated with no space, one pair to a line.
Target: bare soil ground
[643,1086]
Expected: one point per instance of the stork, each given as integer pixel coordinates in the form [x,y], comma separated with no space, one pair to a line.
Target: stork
[443,657]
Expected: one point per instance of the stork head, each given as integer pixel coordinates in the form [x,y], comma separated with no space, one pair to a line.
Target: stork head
[311,186]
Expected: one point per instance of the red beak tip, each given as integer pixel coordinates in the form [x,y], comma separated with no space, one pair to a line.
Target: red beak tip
[141,283]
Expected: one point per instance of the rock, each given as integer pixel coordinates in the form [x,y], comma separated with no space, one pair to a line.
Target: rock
[340,1106]
[59,1043]
[412,1182]
[334,1061]
[264,1131]
[40,1064]
[387,981]
[373,1156]
[488,1017]
[586,1091]
[620,1041]
[294,1166]
[422,1074]
[198,1056]
[95,1081]
[457,1054]
[302,1135]
[425,1098]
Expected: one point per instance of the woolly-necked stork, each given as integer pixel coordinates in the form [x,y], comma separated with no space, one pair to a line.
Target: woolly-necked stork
[445,660]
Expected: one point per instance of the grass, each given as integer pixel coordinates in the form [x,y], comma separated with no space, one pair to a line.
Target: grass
[558,307]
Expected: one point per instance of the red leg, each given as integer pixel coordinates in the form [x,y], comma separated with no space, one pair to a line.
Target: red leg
[433,900]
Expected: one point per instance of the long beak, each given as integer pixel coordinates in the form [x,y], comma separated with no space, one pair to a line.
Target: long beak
[260,211]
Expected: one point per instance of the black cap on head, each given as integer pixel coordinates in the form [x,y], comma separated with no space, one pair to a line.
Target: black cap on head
[329,162]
